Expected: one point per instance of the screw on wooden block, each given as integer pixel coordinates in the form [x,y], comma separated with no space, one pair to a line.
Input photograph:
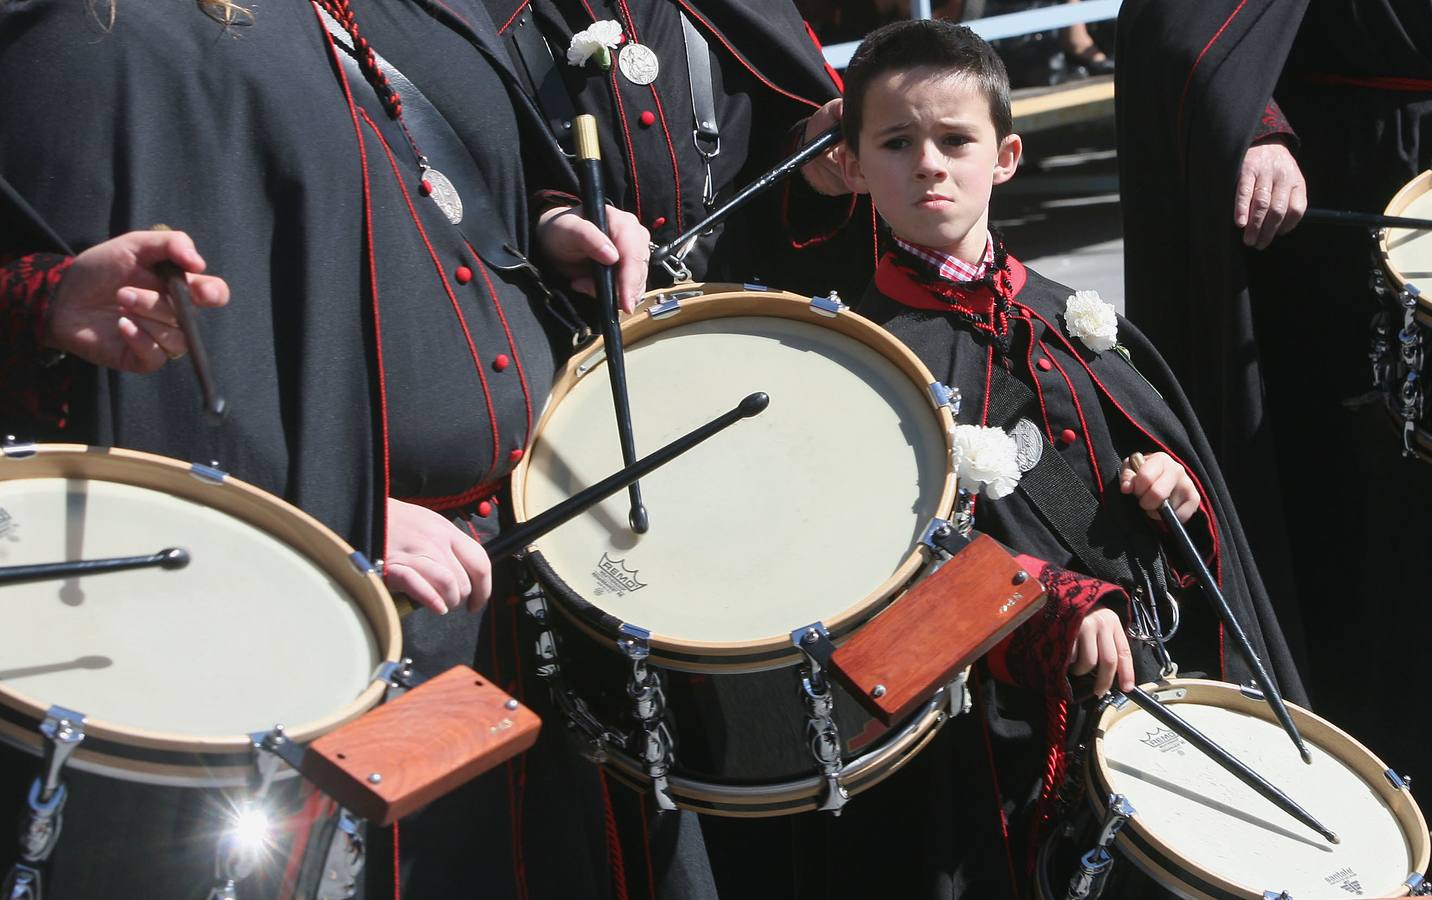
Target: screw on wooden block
[878,691]
[1021,577]
[375,778]
[510,704]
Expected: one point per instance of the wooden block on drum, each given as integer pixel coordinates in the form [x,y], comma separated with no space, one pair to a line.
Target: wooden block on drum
[425,743]
[935,629]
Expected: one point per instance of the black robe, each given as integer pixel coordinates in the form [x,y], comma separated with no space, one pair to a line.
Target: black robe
[306,197]
[767,76]
[1273,345]
[1118,405]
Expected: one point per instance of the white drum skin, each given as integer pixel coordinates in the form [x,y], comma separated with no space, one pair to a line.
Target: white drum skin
[1407,253]
[1200,832]
[269,623]
[810,511]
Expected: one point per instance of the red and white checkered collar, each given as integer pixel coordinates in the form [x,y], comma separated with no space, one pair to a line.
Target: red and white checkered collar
[951,268]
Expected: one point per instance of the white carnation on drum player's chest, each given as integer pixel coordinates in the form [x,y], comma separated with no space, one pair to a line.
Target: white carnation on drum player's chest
[596,41]
[1091,320]
[986,460]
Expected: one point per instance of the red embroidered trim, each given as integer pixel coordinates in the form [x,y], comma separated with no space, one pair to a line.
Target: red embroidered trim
[835,78]
[513,18]
[741,59]
[373,298]
[1206,47]
[447,287]
[511,344]
[615,856]
[397,877]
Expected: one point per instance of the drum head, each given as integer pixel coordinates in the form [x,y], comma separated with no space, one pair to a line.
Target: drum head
[1408,252]
[810,511]
[270,622]
[1218,837]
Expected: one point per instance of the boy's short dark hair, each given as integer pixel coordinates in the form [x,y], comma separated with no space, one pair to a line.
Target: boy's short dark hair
[916,43]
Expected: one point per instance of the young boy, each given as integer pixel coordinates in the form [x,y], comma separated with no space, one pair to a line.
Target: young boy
[928,134]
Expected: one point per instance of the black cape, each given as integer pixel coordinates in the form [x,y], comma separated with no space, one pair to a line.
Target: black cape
[767,76]
[1273,345]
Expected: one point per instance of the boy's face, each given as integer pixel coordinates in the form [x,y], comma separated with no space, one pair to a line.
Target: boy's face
[928,157]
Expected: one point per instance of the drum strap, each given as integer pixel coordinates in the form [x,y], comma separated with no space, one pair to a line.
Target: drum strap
[1095,533]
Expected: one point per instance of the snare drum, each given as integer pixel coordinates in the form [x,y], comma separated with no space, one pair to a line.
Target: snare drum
[674,647]
[1199,832]
[1403,335]
[274,620]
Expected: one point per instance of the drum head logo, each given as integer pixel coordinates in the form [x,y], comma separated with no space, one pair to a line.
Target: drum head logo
[613,577]
[8,525]
[1028,444]
[1346,879]
[1163,740]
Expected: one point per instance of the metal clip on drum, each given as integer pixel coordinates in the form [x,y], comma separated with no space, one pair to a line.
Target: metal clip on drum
[63,731]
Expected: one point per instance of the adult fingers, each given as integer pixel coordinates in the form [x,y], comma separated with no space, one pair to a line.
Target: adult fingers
[471,556]
[209,290]
[1243,196]
[144,355]
[633,244]
[402,578]
[1257,211]
[169,338]
[151,247]
[1297,205]
[139,303]
[1277,210]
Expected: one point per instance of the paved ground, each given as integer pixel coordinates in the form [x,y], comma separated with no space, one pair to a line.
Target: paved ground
[1060,213]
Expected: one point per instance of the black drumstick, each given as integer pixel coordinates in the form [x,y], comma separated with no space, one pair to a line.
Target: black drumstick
[1194,560]
[176,283]
[1363,220]
[1184,729]
[517,540]
[168,558]
[594,203]
[782,170]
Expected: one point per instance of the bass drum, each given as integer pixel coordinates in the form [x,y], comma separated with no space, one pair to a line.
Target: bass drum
[1198,832]
[274,620]
[810,513]
[1402,334]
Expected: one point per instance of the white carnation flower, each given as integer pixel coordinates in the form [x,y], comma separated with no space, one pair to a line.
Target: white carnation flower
[596,41]
[986,460]
[1091,320]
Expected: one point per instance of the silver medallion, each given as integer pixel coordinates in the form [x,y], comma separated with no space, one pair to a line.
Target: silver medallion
[1028,444]
[638,63]
[441,192]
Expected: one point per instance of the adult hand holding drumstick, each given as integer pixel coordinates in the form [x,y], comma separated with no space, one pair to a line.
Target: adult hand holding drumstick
[110,308]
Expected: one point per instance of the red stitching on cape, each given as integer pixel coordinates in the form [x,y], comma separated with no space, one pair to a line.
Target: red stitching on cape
[513,18]
[742,60]
[1206,47]
[452,296]
[511,344]
[835,78]
[1205,505]
[1078,411]
[373,290]
[614,840]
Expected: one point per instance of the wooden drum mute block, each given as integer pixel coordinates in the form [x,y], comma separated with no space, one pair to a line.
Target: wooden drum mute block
[945,622]
[408,752]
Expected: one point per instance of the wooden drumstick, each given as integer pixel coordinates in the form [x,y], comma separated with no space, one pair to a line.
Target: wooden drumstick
[1194,560]
[176,284]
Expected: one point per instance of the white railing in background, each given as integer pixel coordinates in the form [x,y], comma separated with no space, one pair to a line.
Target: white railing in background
[992,28]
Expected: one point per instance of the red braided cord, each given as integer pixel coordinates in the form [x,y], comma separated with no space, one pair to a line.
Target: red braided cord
[367,61]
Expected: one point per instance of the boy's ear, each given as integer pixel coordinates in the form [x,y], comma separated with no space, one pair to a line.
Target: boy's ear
[1007,161]
[850,168]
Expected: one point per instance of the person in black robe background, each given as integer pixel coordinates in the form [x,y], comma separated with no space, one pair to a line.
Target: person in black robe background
[1273,343]
[373,350]
[771,90]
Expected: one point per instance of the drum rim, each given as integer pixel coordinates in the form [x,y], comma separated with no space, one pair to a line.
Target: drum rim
[1413,189]
[715,297]
[243,501]
[1141,842]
